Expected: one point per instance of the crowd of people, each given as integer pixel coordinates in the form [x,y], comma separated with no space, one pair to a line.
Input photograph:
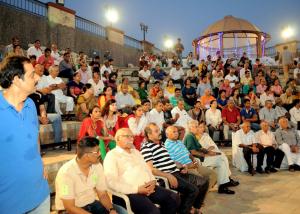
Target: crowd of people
[166,127]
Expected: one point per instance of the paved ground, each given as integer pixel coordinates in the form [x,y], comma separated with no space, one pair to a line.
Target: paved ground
[261,194]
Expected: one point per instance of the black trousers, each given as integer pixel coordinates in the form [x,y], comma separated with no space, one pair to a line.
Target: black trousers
[180,81]
[50,99]
[168,201]
[192,191]
[260,156]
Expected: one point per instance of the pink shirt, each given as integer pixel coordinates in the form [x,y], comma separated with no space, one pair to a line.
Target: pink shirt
[261,89]
[46,62]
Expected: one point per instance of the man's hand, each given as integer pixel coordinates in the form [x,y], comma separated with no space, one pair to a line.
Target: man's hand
[184,170]
[294,149]
[211,148]
[255,149]
[172,180]
[61,85]
[147,189]
[44,120]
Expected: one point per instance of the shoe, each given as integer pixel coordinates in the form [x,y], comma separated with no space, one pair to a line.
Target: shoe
[225,190]
[232,183]
[251,171]
[259,170]
[296,167]
[273,170]
[291,168]
[267,170]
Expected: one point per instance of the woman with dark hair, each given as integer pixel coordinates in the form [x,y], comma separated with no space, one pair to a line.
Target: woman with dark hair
[213,119]
[236,98]
[137,123]
[110,117]
[189,93]
[75,86]
[85,102]
[106,96]
[112,82]
[142,91]
[169,89]
[222,99]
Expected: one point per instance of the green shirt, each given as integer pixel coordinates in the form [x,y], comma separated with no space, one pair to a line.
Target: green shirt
[191,143]
[142,93]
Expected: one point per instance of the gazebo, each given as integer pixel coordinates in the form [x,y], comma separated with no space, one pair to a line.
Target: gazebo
[231,36]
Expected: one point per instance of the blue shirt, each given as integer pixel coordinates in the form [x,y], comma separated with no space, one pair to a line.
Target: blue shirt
[178,152]
[202,87]
[22,186]
[248,114]
[222,102]
[159,76]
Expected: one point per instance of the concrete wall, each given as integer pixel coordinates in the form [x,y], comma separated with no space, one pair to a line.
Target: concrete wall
[30,27]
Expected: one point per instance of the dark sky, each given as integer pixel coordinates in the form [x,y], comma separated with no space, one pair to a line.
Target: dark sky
[188,18]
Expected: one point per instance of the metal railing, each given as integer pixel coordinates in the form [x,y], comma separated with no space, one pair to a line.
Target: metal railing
[131,42]
[30,6]
[270,51]
[89,26]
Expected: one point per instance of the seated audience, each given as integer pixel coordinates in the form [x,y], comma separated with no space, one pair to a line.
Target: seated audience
[222,99]
[111,82]
[96,82]
[79,179]
[85,102]
[206,98]
[183,115]
[126,172]
[84,73]
[46,59]
[197,113]
[66,67]
[203,85]
[231,118]
[192,188]
[192,74]
[233,79]
[75,86]
[169,90]
[213,119]
[144,75]
[137,123]
[159,74]
[125,81]
[268,114]
[176,74]
[142,91]
[124,99]
[274,155]
[57,85]
[35,49]
[267,95]
[156,115]
[250,146]
[189,93]
[287,99]
[207,157]
[226,87]
[174,100]
[105,97]
[289,142]
[249,114]
[295,113]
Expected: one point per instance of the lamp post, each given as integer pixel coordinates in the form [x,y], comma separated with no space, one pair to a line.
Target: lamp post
[111,15]
[144,29]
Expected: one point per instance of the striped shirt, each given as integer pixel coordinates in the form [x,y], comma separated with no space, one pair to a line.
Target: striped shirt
[159,156]
[178,152]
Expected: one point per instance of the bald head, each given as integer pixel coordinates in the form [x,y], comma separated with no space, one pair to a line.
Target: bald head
[172,133]
[283,122]
[246,127]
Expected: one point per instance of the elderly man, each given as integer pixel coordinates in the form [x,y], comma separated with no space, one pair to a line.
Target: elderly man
[79,179]
[123,98]
[295,113]
[289,142]
[209,158]
[287,99]
[156,115]
[179,153]
[57,86]
[193,188]
[183,118]
[231,118]
[126,172]
[268,114]
[267,139]
[250,147]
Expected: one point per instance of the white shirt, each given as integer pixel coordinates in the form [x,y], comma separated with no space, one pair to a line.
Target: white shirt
[56,80]
[184,117]
[264,97]
[231,79]
[242,73]
[104,68]
[71,183]
[246,139]
[98,88]
[296,72]
[144,74]
[124,100]
[213,118]
[295,115]
[33,51]
[265,139]
[137,128]
[207,142]
[125,172]
[56,57]
[157,118]
[42,83]
[176,74]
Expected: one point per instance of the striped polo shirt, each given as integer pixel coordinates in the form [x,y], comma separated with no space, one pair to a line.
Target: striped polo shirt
[177,151]
[159,156]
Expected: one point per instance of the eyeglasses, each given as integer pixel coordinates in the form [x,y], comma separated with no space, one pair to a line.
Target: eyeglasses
[95,152]
[127,136]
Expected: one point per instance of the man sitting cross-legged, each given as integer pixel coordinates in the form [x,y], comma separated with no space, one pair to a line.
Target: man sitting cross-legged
[182,157]
[208,158]
[79,179]
[126,172]
[192,188]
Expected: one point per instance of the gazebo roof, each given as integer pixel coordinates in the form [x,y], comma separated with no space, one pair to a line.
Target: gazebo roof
[230,24]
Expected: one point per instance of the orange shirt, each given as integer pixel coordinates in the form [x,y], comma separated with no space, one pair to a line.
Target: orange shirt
[205,100]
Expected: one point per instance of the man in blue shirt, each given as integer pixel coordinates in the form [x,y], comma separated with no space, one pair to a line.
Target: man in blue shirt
[23,187]
[249,114]
[159,74]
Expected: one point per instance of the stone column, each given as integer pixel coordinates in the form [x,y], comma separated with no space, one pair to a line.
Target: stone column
[115,35]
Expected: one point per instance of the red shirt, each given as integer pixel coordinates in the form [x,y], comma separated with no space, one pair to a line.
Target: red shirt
[87,128]
[46,62]
[231,115]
